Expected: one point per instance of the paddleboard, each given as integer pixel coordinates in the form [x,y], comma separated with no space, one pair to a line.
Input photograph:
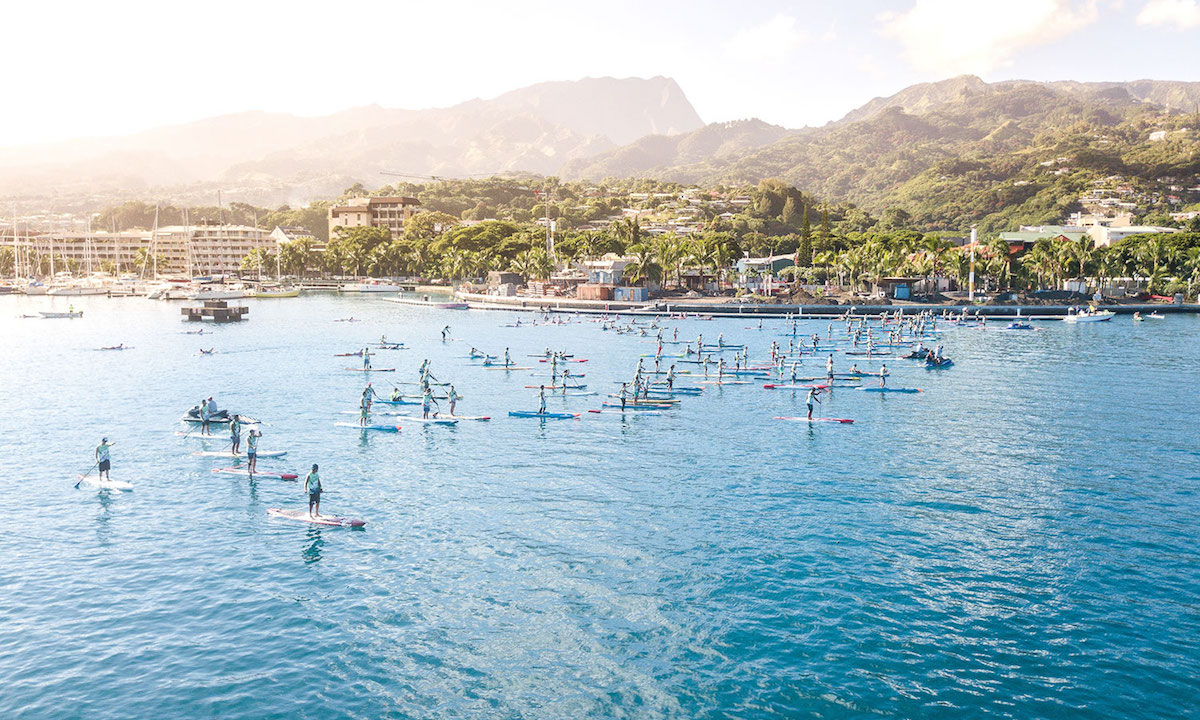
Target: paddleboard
[370,369]
[401,401]
[509,367]
[803,419]
[876,388]
[544,416]
[381,428]
[303,516]
[630,407]
[724,382]
[227,454]
[769,386]
[471,417]
[556,387]
[619,411]
[96,482]
[257,473]
[429,421]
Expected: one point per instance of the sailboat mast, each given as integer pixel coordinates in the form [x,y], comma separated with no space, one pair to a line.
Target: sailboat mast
[154,242]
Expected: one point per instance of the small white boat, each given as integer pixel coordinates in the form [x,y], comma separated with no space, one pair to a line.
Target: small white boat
[218,292]
[51,315]
[1089,316]
[74,290]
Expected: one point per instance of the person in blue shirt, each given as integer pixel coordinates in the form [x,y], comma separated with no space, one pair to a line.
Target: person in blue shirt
[252,449]
[103,458]
[312,486]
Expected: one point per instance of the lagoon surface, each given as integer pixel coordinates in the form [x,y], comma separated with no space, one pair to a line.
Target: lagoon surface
[1019,540]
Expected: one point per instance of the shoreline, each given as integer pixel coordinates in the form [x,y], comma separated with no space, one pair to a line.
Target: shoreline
[476,301]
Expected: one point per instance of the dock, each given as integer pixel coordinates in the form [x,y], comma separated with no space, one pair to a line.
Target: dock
[216,311]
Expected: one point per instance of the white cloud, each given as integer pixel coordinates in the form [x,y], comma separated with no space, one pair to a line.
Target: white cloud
[951,37]
[773,40]
[1177,14]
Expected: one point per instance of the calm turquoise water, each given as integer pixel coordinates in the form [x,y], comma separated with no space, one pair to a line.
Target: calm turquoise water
[1019,540]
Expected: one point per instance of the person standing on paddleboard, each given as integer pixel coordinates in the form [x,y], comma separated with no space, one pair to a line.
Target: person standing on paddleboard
[426,401]
[452,396]
[312,486]
[366,359]
[235,433]
[445,333]
[252,450]
[542,400]
[812,396]
[103,458]
[671,377]
[829,368]
[204,418]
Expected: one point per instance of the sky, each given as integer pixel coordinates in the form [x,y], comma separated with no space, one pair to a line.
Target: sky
[80,69]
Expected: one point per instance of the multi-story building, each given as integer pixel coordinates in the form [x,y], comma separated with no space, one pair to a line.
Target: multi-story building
[198,249]
[387,212]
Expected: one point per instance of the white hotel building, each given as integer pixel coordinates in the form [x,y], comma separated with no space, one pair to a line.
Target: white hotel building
[193,249]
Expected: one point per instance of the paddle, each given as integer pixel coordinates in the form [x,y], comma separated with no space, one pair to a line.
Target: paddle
[89,472]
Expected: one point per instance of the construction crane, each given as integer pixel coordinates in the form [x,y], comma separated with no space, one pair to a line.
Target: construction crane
[435,178]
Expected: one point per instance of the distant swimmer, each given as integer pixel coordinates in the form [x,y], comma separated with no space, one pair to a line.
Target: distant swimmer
[209,351]
[103,458]
[312,486]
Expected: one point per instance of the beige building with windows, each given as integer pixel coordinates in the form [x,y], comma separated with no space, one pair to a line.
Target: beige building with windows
[387,212]
[198,249]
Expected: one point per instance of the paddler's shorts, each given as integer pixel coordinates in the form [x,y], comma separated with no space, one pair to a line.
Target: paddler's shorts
[104,464]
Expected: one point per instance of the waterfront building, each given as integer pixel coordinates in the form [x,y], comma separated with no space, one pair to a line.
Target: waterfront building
[389,212]
[198,249]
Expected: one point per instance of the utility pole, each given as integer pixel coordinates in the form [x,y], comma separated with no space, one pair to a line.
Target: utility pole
[971,277]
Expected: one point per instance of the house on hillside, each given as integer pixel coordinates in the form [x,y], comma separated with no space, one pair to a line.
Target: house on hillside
[1105,236]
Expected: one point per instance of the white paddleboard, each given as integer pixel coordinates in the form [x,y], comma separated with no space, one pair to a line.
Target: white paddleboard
[303,516]
[96,482]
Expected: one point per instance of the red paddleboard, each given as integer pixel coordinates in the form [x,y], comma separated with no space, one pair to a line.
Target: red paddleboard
[804,419]
[257,473]
[303,516]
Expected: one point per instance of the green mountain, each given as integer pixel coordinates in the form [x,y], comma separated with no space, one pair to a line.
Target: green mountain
[952,153]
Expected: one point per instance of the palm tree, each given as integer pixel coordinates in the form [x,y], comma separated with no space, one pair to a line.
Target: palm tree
[671,254]
[642,269]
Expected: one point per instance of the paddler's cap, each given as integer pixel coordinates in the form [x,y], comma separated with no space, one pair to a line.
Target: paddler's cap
[314,467]
[102,439]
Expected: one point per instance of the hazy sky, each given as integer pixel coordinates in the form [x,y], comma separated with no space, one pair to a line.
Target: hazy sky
[120,66]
